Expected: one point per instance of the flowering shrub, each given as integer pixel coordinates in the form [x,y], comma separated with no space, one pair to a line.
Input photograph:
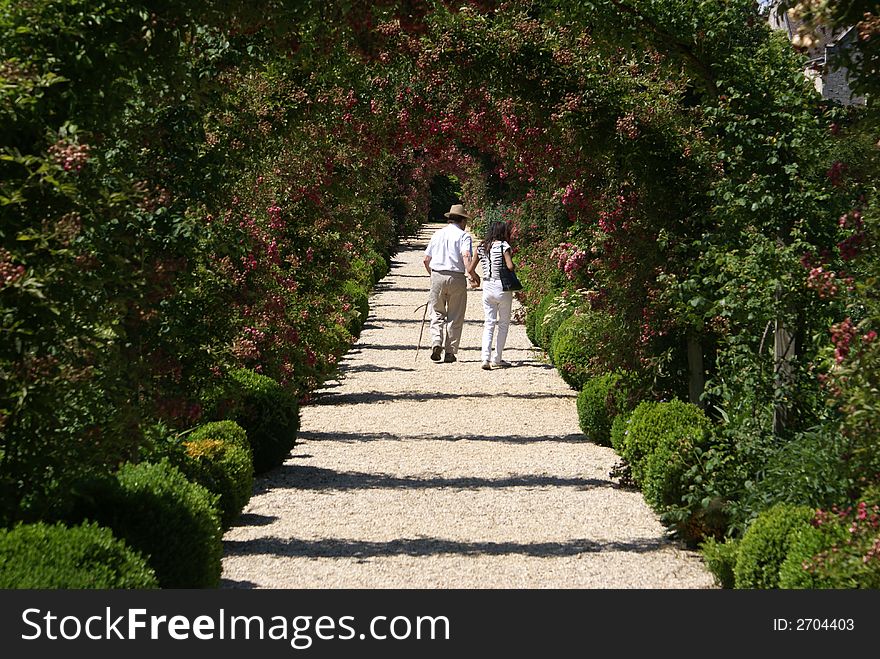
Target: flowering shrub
[841,549]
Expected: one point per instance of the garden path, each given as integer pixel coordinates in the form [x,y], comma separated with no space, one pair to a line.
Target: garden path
[411,474]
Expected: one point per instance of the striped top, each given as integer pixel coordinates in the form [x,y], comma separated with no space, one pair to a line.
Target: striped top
[492,264]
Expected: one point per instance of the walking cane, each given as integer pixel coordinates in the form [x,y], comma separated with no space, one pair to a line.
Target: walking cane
[422,330]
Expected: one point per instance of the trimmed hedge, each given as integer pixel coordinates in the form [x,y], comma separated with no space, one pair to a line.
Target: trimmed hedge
[549,322]
[766,545]
[226,431]
[217,456]
[601,400]
[358,296]
[534,318]
[799,568]
[720,558]
[660,446]
[223,468]
[619,431]
[583,345]
[268,414]
[171,521]
[45,556]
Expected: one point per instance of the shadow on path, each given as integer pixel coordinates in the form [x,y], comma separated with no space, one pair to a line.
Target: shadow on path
[331,398]
[301,477]
[338,548]
[575,438]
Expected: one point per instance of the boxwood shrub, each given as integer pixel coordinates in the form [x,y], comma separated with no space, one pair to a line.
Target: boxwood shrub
[225,469]
[601,400]
[585,344]
[548,324]
[173,522]
[676,452]
[841,549]
[661,444]
[720,558]
[534,318]
[217,456]
[802,566]
[619,430]
[225,431]
[43,556]
[358,296]
[766,544]
[266,411]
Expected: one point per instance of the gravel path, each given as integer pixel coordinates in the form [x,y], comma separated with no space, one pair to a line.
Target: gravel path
[411,474]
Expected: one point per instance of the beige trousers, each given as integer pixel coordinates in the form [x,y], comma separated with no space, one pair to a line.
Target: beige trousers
[447,303]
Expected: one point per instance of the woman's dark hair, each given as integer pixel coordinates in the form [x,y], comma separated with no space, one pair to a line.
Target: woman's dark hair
[496,231]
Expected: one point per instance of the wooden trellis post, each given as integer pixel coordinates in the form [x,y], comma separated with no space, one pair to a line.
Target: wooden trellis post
[697,380]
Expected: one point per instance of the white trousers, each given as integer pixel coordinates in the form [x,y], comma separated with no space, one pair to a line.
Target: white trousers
[496,307]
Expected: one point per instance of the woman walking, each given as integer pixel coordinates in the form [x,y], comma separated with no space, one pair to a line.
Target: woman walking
[494,254]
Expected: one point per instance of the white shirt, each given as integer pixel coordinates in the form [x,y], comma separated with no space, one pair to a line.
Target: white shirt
[446,248]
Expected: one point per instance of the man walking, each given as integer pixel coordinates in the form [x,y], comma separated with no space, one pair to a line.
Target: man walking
[447,258]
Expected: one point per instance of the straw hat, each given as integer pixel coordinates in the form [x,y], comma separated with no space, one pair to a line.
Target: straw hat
[457,210]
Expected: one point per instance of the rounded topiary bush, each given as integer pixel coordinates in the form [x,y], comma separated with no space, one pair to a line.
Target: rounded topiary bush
[801,568]
[584,344]
[358,296]
[266,411]
[225,431]
[720,558]
[534,317]
[658,432]
[766,544]
[619,430]
[173,522]
[601,400]
[676,451]
[555,313]
[57,556]
[225,469]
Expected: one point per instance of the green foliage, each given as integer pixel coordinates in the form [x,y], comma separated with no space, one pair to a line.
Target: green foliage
[619,430]
[267,413]
[813,468]
[555,312]
[216,455]
[358,297]
[601,400]
[223,468]
[174,523]
[42,556]
[720,558]
[228,432]
[586,344]
[535,318]
[800,569]
[661,444]
[839,550]
[767,543]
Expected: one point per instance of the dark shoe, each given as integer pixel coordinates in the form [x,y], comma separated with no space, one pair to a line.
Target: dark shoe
[449,358]
[435,353]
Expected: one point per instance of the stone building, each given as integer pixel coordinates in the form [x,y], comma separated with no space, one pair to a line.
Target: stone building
[830,80]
